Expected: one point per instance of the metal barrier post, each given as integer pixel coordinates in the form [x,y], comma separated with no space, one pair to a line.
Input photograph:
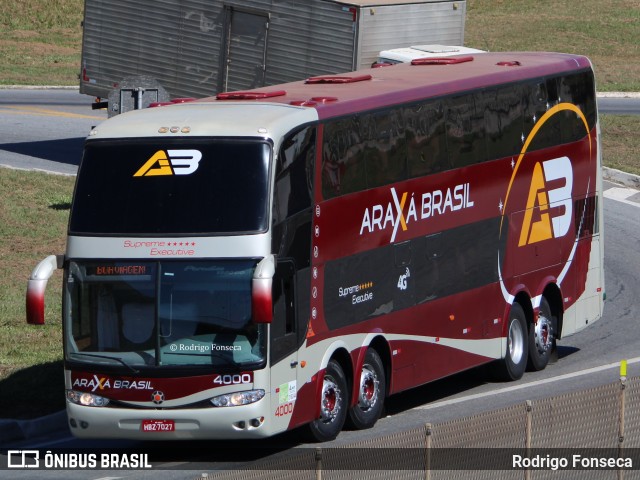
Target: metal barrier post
[527,440]
[623,382]
[318,463]
[427,447]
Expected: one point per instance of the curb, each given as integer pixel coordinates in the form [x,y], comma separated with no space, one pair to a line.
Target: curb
[13,431]
[620,177]
[618,94]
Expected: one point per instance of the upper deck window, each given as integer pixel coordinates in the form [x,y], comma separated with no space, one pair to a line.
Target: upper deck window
[369,149]
[172,187]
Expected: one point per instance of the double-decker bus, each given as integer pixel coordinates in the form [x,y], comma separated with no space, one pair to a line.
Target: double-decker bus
[243,265]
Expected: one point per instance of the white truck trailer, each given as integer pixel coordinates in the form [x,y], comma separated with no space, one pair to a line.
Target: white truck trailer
[136,53]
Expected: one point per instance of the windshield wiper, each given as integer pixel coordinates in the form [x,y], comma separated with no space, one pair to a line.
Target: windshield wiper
[119,360]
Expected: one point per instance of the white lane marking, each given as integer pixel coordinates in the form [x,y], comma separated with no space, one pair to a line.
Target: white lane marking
[525,385]
[620,194]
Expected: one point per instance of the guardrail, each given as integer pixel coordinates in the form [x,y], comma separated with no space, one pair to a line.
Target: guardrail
[592,433]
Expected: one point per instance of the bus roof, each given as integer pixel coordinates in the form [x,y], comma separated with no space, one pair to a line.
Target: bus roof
[232,119]
[341,94]
[273,111]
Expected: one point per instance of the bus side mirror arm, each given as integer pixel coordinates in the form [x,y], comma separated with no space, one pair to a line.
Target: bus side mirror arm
[37,285]
[261,290]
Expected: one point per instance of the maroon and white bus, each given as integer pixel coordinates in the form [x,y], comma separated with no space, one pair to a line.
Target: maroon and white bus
[247,264]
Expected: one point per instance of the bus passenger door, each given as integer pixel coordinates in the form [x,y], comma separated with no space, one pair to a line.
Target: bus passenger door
[283,344]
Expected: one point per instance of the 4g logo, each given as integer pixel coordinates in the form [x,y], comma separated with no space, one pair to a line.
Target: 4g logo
[549,225]
[171,162]
[402,280]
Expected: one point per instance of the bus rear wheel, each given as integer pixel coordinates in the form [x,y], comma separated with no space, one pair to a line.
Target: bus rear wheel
[542,338]
[334,400]
[513,365]
[371,392]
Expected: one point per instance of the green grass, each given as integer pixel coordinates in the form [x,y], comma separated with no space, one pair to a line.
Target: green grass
[33,220]
[620,142]
[606,31]
[40,42]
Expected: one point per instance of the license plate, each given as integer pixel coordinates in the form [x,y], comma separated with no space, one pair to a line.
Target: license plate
[158,425]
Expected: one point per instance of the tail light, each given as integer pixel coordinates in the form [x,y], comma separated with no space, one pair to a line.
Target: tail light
[261,290]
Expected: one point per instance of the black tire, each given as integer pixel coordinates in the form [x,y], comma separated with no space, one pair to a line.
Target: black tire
[542,338]
[512,367]
[371,392]
[334,401]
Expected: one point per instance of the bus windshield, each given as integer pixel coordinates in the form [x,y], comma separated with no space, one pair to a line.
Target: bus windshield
[158,314]
[172,187]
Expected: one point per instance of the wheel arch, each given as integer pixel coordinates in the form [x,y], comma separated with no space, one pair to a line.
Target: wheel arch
[524,300]
[336,358]
[340,354]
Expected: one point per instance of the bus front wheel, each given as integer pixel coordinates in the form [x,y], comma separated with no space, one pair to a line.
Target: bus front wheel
[371,391]
[334,400]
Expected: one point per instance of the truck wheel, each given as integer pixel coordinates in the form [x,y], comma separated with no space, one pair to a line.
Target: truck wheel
[512,367]
[334,400]
[371,392]
[542,337]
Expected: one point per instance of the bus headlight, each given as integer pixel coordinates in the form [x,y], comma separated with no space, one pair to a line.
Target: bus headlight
[86,399]
[238,398]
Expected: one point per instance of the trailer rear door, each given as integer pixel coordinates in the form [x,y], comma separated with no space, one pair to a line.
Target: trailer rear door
[245,55]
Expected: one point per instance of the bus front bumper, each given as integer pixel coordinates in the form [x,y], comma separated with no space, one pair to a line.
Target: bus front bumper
[247,421]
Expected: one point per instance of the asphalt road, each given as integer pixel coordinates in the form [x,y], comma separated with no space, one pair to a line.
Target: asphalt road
[45,129]
[620,105]
[49,135]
